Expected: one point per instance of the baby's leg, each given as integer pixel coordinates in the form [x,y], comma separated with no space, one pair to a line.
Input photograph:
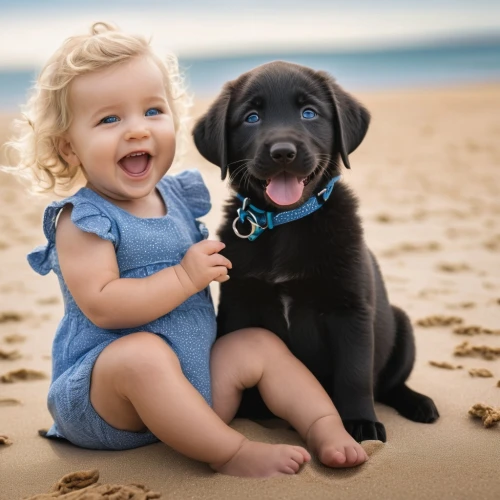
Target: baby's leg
[253,356]
[137,383]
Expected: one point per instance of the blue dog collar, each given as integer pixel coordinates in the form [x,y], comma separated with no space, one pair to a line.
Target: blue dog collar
[261,220]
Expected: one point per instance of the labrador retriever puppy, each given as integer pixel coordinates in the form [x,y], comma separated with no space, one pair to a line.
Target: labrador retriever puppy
[301,267]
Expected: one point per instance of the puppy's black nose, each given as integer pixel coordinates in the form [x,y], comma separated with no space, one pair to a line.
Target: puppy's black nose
[283,152]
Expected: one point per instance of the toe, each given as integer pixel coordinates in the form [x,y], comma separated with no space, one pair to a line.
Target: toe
[294,465]
[306,456]
[351,455]
[362,456]
[297,457]
[339,458]
[335,458]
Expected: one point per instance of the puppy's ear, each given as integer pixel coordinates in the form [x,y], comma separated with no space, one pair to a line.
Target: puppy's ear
[209,133]
[350,118]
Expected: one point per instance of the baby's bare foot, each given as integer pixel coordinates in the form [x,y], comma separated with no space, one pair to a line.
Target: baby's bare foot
[334,446]
[255,459]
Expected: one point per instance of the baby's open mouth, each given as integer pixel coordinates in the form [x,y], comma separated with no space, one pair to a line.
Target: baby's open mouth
[135,164]
[285,188]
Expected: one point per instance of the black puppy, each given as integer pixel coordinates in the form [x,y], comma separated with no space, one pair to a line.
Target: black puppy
[305,272]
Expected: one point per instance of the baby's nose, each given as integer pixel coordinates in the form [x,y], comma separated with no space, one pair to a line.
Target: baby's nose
[137,133]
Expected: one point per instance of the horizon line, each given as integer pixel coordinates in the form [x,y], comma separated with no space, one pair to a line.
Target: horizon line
[430,42]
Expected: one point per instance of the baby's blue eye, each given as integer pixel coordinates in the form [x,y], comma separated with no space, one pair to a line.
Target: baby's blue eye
[109,119]
[153,112]
[308,114]
[253,118]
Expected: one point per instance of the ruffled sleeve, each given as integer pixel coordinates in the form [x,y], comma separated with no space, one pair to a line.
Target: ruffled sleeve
[194,191]
[85,215]
[91,219]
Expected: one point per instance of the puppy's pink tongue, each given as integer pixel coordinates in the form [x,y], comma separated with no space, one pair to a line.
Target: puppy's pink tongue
[285,189]
[134,164]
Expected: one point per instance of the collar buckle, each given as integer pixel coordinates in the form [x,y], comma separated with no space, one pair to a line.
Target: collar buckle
[325,193]
[246,202]
[321,193]
[247,215]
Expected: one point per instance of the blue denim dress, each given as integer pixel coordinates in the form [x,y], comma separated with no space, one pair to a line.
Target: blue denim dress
[143,247]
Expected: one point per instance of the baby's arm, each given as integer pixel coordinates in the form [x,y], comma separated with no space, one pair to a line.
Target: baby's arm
[90,270]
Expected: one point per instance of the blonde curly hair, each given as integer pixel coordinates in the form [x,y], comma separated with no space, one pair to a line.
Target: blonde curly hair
[47,115]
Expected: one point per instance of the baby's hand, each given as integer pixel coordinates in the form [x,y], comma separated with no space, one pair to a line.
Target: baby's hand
[203,264]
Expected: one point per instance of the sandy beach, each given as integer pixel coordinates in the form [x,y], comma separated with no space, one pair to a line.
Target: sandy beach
[428,180]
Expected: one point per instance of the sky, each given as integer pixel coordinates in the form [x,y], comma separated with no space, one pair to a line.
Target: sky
[30,30]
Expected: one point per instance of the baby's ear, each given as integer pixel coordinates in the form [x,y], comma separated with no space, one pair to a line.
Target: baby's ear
[65,150]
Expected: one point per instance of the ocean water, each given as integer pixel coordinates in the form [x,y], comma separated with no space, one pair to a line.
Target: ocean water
[460,62]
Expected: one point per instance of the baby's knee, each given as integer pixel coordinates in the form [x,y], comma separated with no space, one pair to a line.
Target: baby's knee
[139,352]
[250,342]
[260,338]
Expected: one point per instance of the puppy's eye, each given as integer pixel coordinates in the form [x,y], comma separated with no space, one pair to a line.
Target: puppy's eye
[252,118]
[309,114]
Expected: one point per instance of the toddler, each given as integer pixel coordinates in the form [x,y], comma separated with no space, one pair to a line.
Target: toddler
[134,359]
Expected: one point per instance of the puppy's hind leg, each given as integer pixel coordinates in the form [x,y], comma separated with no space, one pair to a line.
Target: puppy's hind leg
[391,388]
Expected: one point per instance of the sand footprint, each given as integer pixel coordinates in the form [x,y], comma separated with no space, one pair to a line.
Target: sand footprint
[11,316]
[22,374]
[14,338]
[406,247]
[10,355]
[453,267]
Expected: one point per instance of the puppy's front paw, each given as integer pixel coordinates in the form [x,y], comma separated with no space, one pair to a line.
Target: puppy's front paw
[365,430]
